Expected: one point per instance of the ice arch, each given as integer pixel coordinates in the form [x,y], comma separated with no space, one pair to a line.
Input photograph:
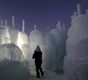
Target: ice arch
[11,52]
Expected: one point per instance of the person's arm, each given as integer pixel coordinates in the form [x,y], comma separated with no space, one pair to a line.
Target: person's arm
[33,55]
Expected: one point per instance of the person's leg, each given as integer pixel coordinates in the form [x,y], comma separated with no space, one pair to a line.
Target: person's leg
[42,73]
[37,72]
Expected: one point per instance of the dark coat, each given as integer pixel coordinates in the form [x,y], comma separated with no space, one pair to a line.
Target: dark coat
[38,57]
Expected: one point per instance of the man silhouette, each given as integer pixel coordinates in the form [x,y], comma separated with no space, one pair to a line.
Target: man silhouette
[38,61]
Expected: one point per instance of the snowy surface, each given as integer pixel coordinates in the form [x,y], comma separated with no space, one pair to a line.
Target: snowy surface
[50,76]
[14,70]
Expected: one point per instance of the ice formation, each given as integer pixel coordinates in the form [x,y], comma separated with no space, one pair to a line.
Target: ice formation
[52,45]
[10,35]
[50,51]
[59,38]
[76,60]
[35,38]
[17,46]
[11,52]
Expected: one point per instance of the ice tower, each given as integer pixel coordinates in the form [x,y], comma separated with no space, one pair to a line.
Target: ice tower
[59,38]
[10,36]
[76,60]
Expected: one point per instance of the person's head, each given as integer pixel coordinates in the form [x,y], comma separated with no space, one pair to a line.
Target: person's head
[38,48]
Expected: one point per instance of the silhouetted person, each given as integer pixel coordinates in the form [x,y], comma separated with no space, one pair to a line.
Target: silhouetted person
[38,61]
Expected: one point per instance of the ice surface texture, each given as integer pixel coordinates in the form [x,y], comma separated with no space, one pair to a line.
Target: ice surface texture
[76,60]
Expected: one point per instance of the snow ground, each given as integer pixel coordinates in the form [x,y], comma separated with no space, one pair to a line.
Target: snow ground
[50,76]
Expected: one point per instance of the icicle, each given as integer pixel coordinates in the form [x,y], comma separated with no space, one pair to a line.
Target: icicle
[13,21]
[23,26]
[59,25]
[35,27]
[78,10]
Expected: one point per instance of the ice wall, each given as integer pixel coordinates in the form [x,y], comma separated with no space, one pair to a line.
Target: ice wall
[35,38]
[76,60]
[50,51]
[59,38]
[4,35]
[52,45]
[23,43]
[11,35]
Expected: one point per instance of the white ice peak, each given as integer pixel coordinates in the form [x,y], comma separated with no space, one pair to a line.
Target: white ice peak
[23,25]
[59,26]
[13,21]
[78,10]
[35,27]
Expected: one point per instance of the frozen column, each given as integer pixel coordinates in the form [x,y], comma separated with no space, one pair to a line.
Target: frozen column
[13,21]
[59,25]
[23,25]
[35,27]
[78,10]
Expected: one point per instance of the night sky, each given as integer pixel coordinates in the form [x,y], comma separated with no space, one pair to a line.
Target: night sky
[43,13]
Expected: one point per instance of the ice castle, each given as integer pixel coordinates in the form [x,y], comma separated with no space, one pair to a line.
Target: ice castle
[62,49]
[17,45]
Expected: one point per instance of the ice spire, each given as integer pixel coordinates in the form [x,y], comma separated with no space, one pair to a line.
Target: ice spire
[59,25]
[78,10]
[35,27]
[23,25]
[87,12]
[6,23]
[13,21]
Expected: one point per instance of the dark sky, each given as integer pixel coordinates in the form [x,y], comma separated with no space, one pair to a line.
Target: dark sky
[43,13]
